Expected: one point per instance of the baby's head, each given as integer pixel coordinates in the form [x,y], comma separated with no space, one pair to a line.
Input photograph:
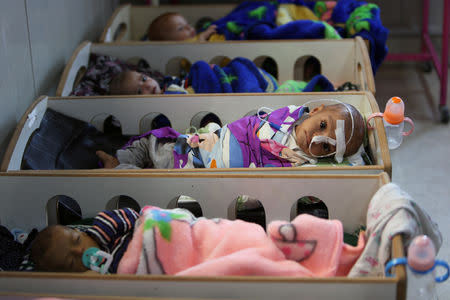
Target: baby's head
[60,248]
[322,122]
[132,83]
[170,26]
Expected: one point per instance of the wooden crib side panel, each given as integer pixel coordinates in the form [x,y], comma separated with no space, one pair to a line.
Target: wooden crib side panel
[364,71]
[337,57]
[120,19]
[78,62]
[341,60]
[265,288]
[180,109]
[25,196]
[378,140]
[397,250]
[29,122]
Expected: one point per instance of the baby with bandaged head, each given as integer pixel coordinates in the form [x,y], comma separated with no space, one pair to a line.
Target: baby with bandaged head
[286,137]
[172,26]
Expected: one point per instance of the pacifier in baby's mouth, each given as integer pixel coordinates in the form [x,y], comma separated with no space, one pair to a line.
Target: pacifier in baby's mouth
[97,260]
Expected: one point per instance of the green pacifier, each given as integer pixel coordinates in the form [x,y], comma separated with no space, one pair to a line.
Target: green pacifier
[90,258]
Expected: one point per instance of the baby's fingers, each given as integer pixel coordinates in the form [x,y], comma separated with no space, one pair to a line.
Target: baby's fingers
[108,161]
[102,155]
[212,28]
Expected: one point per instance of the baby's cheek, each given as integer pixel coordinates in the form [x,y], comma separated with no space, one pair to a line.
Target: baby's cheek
[317,149]
[80,267]
[304,147]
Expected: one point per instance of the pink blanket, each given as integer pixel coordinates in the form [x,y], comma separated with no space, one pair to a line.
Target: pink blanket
[174,242]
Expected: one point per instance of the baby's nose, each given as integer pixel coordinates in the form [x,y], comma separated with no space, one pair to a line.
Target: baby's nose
[148,87]
[149,84]
[79,251]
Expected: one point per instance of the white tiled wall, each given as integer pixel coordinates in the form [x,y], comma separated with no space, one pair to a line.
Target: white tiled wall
[16,76]
[37,38]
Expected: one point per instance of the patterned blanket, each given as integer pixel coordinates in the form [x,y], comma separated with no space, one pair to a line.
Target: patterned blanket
[298,19]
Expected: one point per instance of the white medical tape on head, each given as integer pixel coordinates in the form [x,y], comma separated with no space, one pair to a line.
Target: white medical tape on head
[340,140]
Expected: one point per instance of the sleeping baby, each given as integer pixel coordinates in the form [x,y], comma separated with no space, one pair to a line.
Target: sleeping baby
[286,137]
[240,75]
[59,248]
[174,242]
[172,26]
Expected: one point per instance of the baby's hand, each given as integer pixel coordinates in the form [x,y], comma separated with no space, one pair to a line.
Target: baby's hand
[109,161]
[204,36]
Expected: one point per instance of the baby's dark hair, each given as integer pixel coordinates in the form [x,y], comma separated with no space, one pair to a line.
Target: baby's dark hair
[41,245]
[116,84]
[154,32]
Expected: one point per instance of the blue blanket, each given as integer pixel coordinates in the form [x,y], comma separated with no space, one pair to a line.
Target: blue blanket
[363,19]
[240,76]
[300,29]
[244,16]
[256,20]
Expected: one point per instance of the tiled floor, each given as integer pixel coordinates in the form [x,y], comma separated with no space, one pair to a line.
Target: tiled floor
[421,165]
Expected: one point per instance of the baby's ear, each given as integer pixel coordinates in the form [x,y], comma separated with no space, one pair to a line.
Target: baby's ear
[317,109]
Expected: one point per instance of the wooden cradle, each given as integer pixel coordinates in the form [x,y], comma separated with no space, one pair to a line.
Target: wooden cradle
[130,22]
[26,196]
[136,113]
[341,61]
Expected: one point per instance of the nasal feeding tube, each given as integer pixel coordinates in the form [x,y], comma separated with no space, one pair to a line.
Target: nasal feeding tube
[340,141]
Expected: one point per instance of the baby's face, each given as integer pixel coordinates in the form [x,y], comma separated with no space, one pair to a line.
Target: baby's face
[66,251]
[176,28]
[141,84]
[321,121]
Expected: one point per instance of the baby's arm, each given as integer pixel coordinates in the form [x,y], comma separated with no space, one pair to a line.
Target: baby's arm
[204,36]
[108,226]
[109,161]
[135,156]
